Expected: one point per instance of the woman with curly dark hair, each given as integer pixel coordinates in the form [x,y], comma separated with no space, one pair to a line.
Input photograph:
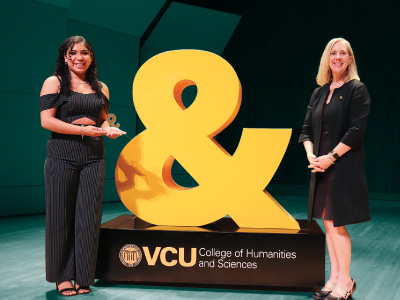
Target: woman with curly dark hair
[74,106]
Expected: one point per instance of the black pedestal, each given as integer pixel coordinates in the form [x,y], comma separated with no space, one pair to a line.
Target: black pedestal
[217,255]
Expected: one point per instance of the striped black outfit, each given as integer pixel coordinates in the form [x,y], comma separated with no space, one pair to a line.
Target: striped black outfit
[74,177]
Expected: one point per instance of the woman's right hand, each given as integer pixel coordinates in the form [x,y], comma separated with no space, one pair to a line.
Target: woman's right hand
[313,160]
[93,131]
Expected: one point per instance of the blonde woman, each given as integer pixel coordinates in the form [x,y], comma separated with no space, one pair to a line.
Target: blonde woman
[333,137]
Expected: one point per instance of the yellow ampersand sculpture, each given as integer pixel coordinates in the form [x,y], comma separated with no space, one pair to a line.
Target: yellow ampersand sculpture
[228,184]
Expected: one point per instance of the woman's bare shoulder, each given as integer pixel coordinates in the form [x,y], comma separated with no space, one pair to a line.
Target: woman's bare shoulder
[104,90]
[50,86]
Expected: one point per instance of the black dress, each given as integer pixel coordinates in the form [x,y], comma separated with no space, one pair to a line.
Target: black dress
[323,187]
[346,121]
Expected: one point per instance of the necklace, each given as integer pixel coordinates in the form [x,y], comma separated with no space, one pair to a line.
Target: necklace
[80,82]
[340,83]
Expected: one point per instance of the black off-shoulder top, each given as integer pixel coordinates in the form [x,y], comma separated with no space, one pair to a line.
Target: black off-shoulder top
[75,106]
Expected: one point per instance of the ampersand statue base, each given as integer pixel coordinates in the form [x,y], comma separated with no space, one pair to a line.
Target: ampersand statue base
[216,255]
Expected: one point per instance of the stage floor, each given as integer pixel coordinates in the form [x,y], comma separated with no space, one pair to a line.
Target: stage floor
[375,262]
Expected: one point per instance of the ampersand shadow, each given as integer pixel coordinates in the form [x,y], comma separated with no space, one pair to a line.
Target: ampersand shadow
[132,171]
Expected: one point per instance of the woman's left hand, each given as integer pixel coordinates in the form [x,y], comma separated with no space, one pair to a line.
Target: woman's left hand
[320,164]
[114,132]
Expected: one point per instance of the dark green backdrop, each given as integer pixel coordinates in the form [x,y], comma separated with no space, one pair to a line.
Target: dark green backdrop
[274,47]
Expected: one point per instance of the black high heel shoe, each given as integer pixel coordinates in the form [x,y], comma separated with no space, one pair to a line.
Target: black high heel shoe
[342,292]
[325,291]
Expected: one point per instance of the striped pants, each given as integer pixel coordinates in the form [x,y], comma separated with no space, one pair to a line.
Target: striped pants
[74,179]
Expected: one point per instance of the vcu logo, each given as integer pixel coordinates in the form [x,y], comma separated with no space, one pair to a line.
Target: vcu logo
[162,254]
[130,255]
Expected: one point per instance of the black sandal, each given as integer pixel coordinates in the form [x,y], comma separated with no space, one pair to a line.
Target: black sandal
[66,290]
[82,287]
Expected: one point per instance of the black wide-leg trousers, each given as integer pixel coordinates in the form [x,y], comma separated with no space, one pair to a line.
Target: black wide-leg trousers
[74,179]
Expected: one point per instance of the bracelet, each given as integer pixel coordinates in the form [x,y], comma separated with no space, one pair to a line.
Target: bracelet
[82,131]
[331,158]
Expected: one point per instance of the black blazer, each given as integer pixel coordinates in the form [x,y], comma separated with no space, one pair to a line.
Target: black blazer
[347,122]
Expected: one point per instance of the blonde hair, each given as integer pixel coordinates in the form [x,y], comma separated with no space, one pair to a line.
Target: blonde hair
[324,72]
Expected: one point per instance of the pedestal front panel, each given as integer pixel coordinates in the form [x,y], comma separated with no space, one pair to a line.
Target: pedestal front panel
[219,254]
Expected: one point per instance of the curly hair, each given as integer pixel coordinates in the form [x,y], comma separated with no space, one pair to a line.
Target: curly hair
[62,71]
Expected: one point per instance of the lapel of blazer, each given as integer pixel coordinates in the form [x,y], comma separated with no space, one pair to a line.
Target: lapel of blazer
[337,105]
[318,116]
